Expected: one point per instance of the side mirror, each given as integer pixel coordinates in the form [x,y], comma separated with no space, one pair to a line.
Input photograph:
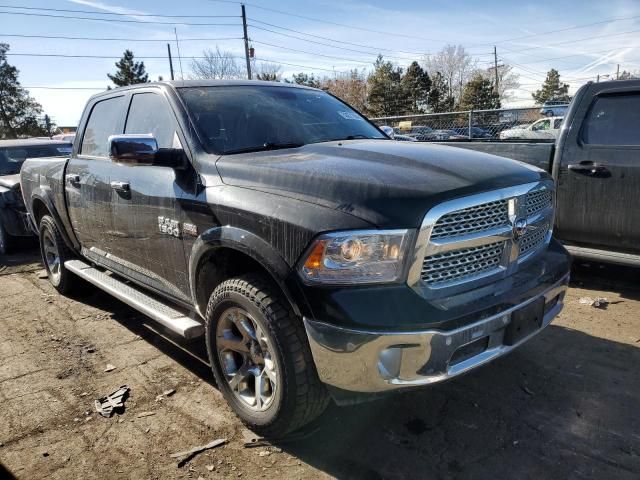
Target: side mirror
[389,131]
[142,150]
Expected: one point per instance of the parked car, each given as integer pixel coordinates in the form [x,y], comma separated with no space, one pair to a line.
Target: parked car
[13,216]
[596,164]
[65,137]
[543,129]
[476,132]
[316,257]
[554,108]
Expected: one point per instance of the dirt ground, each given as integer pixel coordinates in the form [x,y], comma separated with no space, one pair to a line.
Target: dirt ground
[565,405]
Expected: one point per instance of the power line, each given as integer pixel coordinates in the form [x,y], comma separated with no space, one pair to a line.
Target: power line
[341,42]
[119,20]
[117,39]
[353,27]
[119,14]
[309,53]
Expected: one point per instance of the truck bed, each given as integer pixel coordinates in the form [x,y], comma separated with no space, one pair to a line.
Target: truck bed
[538,154]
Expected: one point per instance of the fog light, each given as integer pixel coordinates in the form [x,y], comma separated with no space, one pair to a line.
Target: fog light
[389,362]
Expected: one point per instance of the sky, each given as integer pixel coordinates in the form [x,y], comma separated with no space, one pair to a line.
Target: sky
[581,39]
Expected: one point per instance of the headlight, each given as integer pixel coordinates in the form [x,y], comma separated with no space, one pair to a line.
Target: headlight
[359,256]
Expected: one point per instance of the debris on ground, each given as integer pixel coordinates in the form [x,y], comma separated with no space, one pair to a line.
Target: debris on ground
[106,406]
[168,393]
[210,468]
[599,302]
[42,274]
[110,367]
[188,454]
[256,442]
[145,414]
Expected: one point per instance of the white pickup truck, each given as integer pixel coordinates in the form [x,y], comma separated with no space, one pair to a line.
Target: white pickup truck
[543,129]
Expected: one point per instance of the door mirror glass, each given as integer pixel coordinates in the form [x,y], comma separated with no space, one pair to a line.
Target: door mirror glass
[389,131]
[142,150]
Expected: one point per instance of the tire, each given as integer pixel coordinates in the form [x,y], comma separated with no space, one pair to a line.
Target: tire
[279,341]
[54,253]
[549,113]
[5,240]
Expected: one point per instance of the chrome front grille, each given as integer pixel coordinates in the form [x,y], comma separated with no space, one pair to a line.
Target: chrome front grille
[538,200]
[533,239]
[476,239]
[471,220]
[455,264]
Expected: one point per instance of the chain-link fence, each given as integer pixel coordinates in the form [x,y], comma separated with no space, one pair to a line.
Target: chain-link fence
[477,125]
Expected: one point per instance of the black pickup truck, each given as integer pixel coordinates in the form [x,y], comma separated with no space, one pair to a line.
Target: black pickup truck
[317,257]
[596,166]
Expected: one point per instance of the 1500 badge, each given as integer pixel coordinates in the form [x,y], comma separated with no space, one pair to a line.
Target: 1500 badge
[168,226]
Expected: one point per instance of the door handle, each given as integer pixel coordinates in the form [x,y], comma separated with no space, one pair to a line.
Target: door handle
[121,187]
[73,179]
[590,169]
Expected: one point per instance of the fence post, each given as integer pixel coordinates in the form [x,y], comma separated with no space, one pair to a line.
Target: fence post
[470,122]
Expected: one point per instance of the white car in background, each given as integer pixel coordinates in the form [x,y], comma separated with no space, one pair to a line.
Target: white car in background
[543,129]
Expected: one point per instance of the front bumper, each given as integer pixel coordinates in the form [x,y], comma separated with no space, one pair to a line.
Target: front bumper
[368,361]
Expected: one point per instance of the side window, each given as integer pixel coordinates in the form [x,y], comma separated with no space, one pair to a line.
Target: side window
[104,120]
[613,120]
[151,113]
[544,125]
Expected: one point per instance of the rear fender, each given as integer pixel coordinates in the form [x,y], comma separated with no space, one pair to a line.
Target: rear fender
[45,195]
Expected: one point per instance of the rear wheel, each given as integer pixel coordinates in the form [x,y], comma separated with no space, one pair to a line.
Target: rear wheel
[261,358]
[549,113]
[4,240]
[54,253]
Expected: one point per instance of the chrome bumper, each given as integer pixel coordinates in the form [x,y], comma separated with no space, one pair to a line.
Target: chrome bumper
[363,361]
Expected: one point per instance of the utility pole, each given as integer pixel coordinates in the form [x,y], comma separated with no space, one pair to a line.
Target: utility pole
[246,41]
[598,79]
[170,60]
[495,63]
[618,73]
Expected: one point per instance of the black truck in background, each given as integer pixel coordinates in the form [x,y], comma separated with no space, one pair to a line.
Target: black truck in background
[596,165]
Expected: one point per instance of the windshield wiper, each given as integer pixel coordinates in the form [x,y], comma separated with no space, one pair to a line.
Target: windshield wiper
[357,137]
[266,146]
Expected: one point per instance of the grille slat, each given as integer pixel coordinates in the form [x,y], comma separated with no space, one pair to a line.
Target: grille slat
[533,239]
[472,220]
[538,200]
[456,264]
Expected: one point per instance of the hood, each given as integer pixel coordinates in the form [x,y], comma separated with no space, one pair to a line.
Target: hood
[10,181]
[389,184]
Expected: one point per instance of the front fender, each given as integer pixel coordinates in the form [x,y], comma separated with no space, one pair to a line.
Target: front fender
[247,243]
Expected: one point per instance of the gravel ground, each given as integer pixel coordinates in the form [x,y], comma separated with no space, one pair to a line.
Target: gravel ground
[565,405]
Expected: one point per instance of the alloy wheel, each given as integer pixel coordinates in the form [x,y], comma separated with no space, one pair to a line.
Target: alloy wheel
[51,255]
[246,357]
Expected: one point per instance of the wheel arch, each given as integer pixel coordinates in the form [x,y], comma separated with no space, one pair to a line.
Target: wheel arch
[42,205]
[224,252]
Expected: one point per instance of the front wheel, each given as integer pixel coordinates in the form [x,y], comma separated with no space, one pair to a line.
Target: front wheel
[261,358]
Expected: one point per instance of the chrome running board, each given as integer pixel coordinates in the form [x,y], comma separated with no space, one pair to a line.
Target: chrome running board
[167,316]
[605,256]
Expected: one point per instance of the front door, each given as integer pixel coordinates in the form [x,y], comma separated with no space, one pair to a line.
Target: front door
[146,215]
[599,178]
[87,178]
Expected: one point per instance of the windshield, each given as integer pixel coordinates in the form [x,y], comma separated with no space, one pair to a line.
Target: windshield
[12,158]
[234,119]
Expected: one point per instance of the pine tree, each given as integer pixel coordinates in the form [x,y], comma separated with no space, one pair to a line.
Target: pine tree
[305,79]
[479,94]
[416,85]
[385,93]
[439,98]
[129,72]
[552,89]
[18,110]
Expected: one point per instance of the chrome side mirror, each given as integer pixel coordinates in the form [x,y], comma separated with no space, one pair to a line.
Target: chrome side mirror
[133,149]
[389,131]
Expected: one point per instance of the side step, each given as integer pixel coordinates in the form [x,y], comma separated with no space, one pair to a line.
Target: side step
[605,256]
[167,316]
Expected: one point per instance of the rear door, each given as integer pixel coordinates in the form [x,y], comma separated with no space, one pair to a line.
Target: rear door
[147,250]
[88,174]
[599,174]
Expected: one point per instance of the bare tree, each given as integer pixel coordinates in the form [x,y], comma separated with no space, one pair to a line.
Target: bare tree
[267,71]
[508,80]
[455,65]
[350,87]
[216,64]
